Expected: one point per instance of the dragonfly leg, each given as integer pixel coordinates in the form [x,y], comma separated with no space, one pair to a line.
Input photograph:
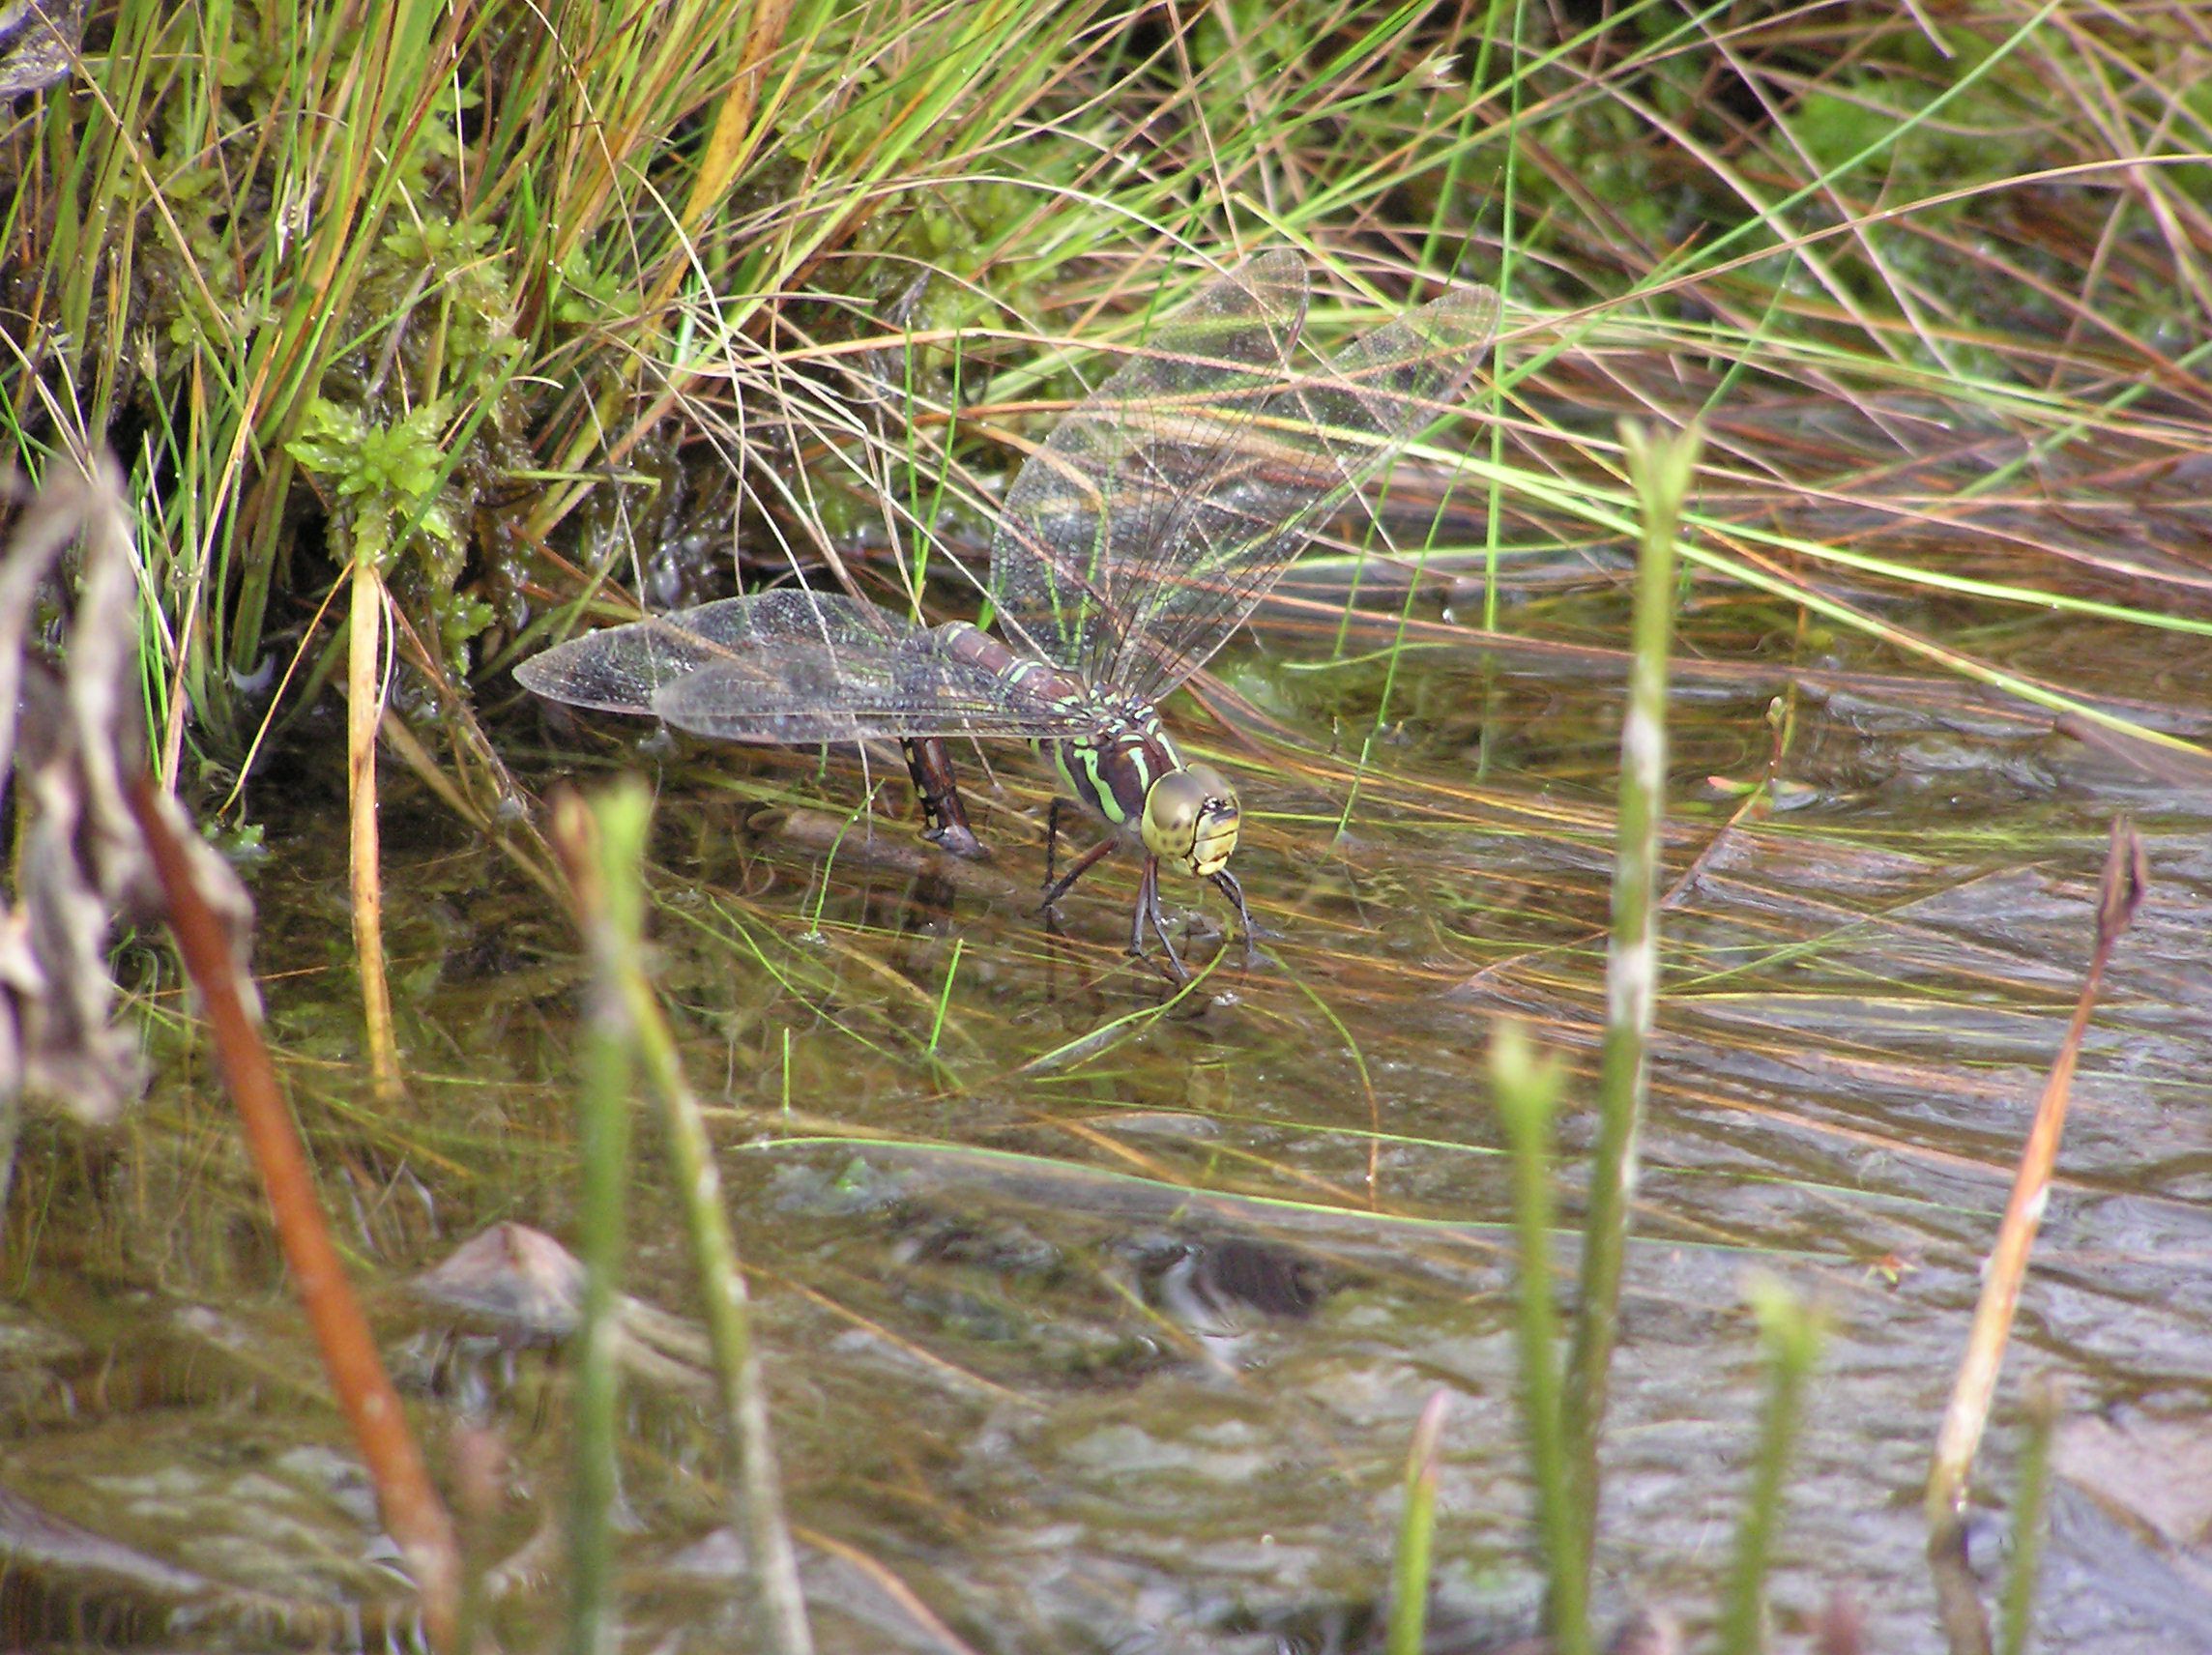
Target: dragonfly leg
[1148,909]
[1226,882]
[1081,866]
[944,819]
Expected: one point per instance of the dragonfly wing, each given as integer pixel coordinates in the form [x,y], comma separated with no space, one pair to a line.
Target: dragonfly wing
[1286,460]
[1081,528]
[793,666]
[620,669]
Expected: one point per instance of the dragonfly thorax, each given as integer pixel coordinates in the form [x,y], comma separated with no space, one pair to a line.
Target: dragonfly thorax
[1131,777]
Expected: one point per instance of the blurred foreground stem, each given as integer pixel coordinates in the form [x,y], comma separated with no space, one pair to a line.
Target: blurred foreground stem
[1949,1478]
[622,816]
[1790,1335]
[1662,470]
[1526,1090]
[405,1495]
[603,853]
[1416,1533]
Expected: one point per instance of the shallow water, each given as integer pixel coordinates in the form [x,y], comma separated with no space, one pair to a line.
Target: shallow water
[1099,1319]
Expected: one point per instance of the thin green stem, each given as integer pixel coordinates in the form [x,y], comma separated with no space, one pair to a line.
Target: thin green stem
[1416,1533]
[1790,1335]
[604,853]
[2016,1609]
[1662,472]
[945,996]
[757,1494]
[1526,1090]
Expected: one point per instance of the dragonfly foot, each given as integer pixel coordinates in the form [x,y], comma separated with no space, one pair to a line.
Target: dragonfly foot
[959,839]
[1148,914]
[1169,968]
[1226,882]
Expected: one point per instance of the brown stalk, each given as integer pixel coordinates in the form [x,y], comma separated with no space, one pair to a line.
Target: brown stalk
[2119,893]
[364,703]
[736,133]
[410,1506]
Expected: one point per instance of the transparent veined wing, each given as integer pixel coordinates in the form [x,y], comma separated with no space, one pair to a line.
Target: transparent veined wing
[1108,484]
[1206,466]
[1288,470]
[791,666]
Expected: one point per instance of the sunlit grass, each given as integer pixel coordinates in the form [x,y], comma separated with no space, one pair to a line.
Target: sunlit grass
[506,268]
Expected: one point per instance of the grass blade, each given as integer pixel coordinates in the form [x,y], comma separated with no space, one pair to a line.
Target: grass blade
[603,852]
[1661,471]
[1527,1090]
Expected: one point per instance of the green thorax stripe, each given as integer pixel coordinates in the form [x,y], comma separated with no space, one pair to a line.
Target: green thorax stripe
[1110,774]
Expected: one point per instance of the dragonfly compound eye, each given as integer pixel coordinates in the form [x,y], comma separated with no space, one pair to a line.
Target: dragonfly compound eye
[1190,818]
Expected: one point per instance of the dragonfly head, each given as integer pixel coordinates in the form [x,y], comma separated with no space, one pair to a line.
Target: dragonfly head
[1190,818]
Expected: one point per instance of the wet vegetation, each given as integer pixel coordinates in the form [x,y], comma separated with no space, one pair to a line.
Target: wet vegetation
[1096,1311]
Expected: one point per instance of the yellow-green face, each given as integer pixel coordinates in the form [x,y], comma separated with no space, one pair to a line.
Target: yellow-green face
[1190,818]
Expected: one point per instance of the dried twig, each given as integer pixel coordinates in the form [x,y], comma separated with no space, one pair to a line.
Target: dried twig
[412,1509]
[77,858]
[2119,895]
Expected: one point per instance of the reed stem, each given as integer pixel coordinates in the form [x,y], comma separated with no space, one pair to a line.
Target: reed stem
[1416,1533]
[603,852]
[2017,1612]
[1661,470]
[757,1499]
[1791,1334]
[1526,1087]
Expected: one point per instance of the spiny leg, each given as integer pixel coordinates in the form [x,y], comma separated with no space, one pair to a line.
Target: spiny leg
[1081,866]
[1148,909]
[1226,882]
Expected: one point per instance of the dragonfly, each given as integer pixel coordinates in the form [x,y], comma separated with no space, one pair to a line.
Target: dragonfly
[1134,542]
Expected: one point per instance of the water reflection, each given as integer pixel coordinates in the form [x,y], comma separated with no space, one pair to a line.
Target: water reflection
[1122,1349]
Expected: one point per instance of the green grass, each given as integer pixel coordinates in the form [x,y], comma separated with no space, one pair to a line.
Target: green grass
[464,291]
